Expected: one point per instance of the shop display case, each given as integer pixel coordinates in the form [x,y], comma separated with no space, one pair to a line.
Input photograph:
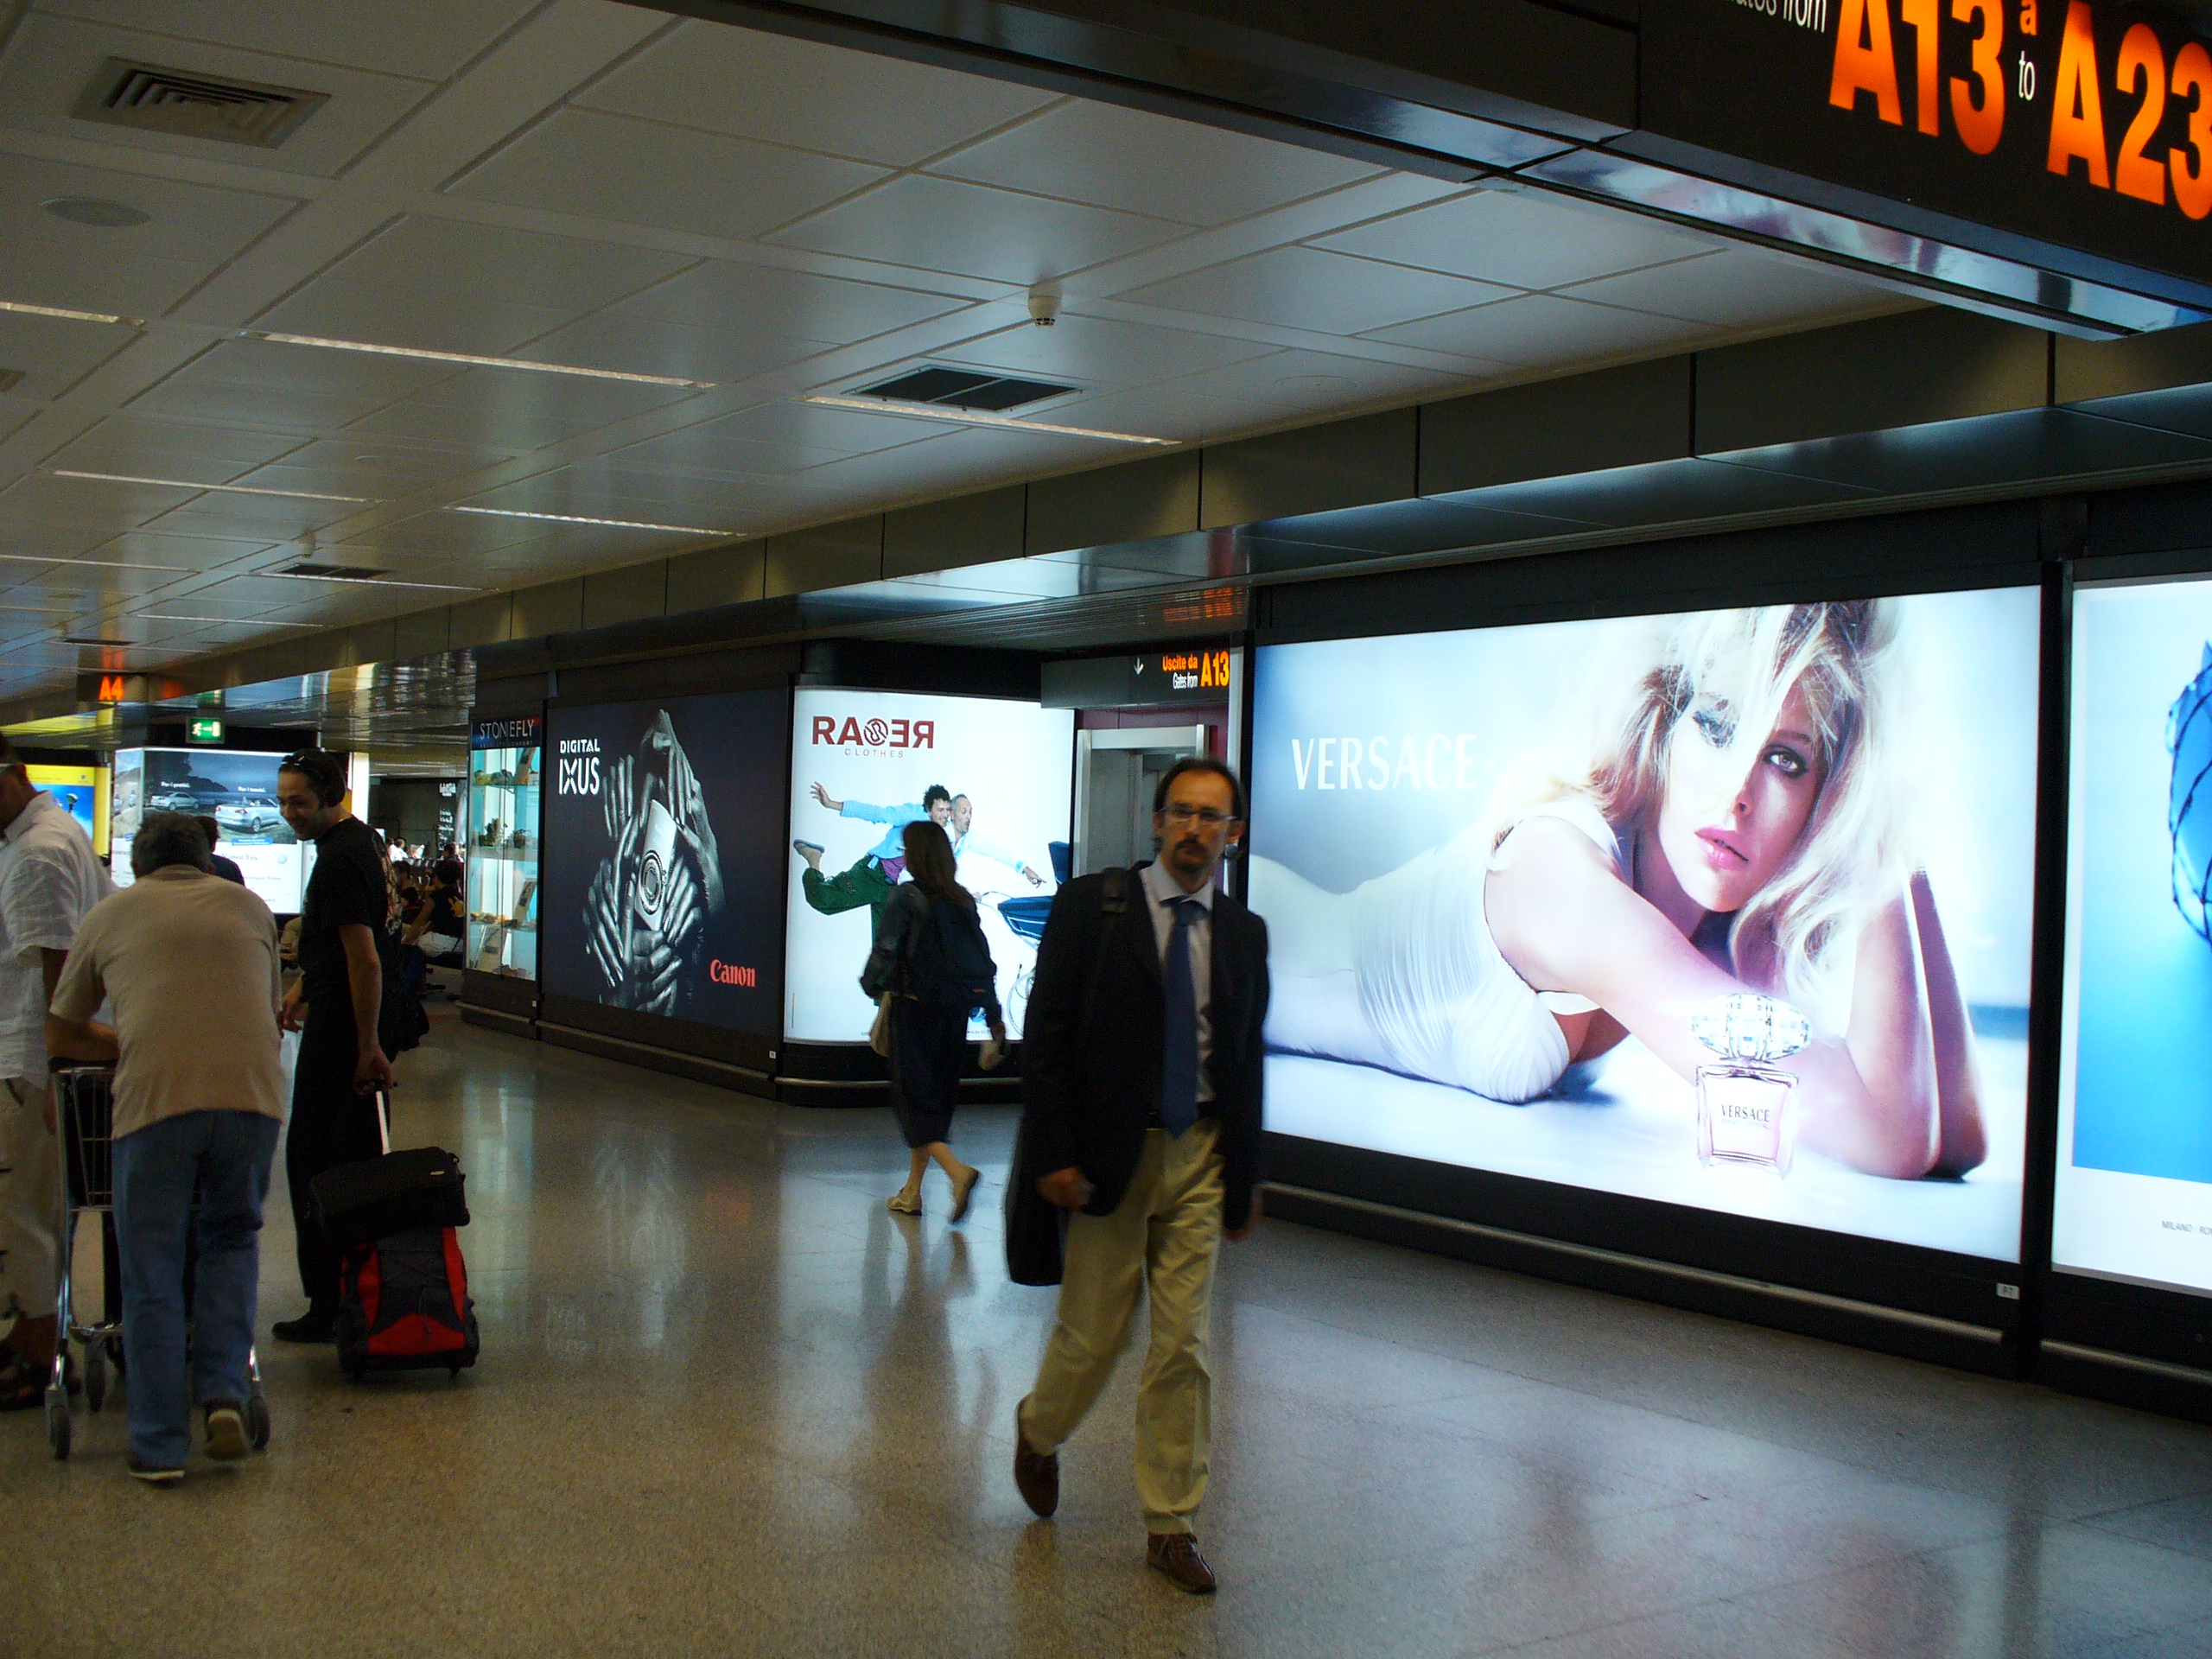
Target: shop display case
[502,851]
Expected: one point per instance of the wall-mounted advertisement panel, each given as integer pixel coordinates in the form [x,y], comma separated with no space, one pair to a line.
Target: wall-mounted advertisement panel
[82,793]
[2135,1166]
[1728,910]
[237,789]
[662,862]
[998,775]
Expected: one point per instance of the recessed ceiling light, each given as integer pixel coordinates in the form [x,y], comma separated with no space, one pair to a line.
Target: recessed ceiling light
[96,211]
[187,484]
[475,361]
[970,417]
[607,523]
[67,315]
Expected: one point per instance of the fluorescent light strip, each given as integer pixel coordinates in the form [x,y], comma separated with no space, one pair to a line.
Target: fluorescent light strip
[223,621]
[362,582]
[97,564]
[474,361]
[970,417]
[68,315]
[607,523]
[227,489]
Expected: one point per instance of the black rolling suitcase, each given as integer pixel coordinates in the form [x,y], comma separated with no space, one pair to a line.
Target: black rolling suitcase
[403,1285]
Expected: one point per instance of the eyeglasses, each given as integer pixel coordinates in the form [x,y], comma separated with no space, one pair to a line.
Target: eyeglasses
[1204,815]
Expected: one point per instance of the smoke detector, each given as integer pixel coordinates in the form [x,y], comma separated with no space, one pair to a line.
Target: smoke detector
[1044,304]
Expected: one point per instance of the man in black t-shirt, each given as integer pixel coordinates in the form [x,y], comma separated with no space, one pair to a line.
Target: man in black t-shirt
[335,1004]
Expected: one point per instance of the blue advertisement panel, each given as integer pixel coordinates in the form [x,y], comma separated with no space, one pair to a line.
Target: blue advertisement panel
[1728,909]
[2134,1179]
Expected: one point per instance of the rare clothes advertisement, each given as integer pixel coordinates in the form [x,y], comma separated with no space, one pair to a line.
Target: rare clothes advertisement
[2134,1191]
[1728,909]
[663,881]
[997,776]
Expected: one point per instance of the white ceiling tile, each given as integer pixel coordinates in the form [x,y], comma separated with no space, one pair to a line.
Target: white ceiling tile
[1543,331]
[438,321]
[53,355]
[515,410]
[751,85]
[40,501]
[155,449]
[942,225]
[427,38]
[258,383]
[1324,293]
[1742,288]
[769,300]
[184,552]
[447,535]
[782,437]
[636,345]
[1098,352]
[53,59]
[636,173]
[239,518]
[559,273]
[1263,392]
[359,466]
[1141,163]
[1522,240]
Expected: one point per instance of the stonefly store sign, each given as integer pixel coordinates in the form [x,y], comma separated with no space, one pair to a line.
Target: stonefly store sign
[2084,124]
[513,732]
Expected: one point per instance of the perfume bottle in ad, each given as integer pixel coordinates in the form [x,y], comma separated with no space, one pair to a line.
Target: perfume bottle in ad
[1746,1105]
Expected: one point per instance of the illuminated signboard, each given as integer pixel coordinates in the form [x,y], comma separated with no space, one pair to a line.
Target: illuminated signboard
[1201,676]
[2083,124]
[203,731]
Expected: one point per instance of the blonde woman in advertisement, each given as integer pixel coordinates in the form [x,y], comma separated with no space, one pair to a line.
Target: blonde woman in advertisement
[1742,826]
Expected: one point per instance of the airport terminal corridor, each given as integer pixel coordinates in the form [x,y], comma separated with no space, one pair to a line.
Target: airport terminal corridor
[727,1403]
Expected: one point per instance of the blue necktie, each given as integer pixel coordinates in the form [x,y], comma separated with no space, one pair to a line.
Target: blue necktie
[1179,1071]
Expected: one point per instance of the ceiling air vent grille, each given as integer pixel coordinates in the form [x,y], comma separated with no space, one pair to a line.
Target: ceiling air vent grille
[963,389]
[150,99]
[332,572]
[93,639]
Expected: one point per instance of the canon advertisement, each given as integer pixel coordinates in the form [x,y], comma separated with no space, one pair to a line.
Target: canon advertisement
[662,823]
[2134,1193]
[996,775]
[235,789]
[1729,910]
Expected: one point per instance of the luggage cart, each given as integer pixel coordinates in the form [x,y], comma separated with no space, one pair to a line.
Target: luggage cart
[84,1104]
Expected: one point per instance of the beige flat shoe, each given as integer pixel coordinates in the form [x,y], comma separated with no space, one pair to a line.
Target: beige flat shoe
[900,1204]
[963,1191]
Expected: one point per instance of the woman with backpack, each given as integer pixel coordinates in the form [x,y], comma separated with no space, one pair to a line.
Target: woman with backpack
[930,967]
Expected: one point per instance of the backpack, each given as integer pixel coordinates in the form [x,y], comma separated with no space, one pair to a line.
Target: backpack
[950,963]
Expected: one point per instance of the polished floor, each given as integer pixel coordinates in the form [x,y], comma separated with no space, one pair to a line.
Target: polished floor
[729,1405]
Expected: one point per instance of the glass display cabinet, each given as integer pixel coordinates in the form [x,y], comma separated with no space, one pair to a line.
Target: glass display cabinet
[501,849]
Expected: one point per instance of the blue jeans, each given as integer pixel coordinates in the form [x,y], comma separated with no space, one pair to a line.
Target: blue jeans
[226,1157]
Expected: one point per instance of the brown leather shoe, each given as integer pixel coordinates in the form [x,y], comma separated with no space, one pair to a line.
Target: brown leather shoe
[1176,1554]
[1036,1474]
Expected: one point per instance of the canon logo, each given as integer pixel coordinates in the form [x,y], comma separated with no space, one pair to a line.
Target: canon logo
[728,973]
[877,733]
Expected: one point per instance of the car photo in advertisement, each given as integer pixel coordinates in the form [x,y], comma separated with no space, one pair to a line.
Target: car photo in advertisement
[660,863]
[995,775]
[1710,909]
[2133,1201]
[237,790]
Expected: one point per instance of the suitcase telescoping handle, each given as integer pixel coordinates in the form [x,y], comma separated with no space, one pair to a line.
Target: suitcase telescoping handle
[383,1122]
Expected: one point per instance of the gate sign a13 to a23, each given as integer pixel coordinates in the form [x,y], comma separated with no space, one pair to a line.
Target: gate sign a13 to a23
[2063,122]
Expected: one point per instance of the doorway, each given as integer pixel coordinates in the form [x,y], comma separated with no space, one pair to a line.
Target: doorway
[1117,771]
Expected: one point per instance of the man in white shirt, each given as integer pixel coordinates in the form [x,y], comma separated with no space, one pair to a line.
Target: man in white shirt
[966,842]
[49,878]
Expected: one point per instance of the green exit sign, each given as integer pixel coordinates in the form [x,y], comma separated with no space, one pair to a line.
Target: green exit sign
[203,731]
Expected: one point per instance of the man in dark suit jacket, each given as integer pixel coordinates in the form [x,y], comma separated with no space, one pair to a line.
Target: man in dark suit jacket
[1142,1059]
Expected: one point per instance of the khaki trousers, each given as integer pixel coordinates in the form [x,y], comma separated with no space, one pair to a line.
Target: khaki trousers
[1164,1235]
[30,1201]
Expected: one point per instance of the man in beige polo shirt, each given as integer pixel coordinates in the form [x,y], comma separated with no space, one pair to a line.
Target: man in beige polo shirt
[187,964]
